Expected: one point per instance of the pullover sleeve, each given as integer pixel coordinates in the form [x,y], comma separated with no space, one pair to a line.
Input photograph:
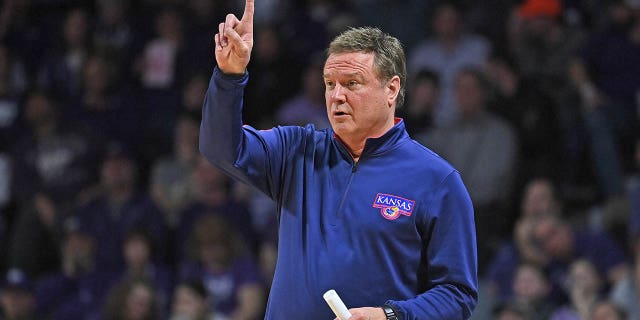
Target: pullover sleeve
[450,243]
[246,154]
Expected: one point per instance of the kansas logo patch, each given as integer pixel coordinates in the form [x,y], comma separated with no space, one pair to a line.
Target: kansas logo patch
[391,207]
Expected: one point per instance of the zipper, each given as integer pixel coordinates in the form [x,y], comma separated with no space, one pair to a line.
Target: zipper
[354,168]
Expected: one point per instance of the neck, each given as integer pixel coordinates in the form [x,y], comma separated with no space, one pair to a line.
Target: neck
[355,143]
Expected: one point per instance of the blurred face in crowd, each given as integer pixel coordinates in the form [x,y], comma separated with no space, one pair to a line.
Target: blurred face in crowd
[554,237]
[510,315]
[186,139]
[359,104]
[111,12]
[583,276]
[446,22]
[529,284]
[469,94]
[75,28]
[39,111]
[312,87]
[539,199]
[193,93]
[168,25]
[117,173]
[139,302]
[96,78]
[209,183]
[17,303]
[605,311]
[188,303]
[137,251]
[78,253]
[423,95]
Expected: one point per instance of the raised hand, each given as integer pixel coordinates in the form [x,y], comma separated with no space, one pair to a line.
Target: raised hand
[234,41]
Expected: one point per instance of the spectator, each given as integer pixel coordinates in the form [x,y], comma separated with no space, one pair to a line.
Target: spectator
[34,243]
[50,156]
[564,244]
[626,292]
[212,191]
[190,302]
[447,52]
[61,72]
[532,113]
[541,46]
[231,276]
[17,301]
[540,198]
[77,289]
[606,310]
[483,148]
[105,110]
[607,77]
[532,289]
[114,35]
[132,299]
[171,187]
[584,286]
[141,263]
[422,97]
[193,94]
[270,61]
[308,105]
[120,208]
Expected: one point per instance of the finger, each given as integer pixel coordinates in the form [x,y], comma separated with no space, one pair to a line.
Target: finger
[222,38]
[217,41]
[231,21]
[235,38]
[247,16]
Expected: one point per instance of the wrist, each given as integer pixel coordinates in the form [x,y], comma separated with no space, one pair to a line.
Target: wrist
[229,74]
[389,312]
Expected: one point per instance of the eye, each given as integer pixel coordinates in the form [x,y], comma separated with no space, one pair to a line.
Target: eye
[352,83]
[329,84]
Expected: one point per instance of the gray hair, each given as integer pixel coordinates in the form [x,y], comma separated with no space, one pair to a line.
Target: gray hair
[388,55]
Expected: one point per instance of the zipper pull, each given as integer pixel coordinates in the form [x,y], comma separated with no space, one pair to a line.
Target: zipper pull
[354,167]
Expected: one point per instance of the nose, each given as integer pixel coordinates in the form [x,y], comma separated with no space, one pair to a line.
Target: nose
[337,95]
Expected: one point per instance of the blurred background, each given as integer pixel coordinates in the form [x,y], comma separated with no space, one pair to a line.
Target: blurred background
[107,210]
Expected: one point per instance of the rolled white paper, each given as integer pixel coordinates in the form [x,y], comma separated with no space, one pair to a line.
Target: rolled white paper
[336,304]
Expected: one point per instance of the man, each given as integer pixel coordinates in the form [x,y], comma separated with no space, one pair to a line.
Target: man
[362,208]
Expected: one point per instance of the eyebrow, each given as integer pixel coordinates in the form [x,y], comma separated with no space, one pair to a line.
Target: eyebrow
[346,75]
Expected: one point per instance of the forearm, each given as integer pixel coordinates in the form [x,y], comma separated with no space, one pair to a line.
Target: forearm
[446,302]
[221,128]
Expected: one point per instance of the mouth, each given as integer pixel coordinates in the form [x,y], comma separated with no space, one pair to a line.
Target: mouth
[339,113]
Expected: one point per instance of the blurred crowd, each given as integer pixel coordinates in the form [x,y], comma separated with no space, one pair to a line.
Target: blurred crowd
[109,212]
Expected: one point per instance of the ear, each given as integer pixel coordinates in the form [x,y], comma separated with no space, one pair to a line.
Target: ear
[393,89]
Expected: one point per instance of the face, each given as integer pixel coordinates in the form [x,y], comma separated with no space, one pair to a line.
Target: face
[469,95]
[529,283]
[136,251]
[538,199]
[16,303]
[359,105]
[188,303]
[605,311]
[139,302]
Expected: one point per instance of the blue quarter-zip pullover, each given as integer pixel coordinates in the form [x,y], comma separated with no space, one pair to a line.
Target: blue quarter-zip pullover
[395,227]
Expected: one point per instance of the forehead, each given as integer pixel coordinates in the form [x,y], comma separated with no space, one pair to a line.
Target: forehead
[349,63]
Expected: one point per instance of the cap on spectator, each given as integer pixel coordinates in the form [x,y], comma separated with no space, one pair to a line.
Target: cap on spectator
[540,8]
[16,279]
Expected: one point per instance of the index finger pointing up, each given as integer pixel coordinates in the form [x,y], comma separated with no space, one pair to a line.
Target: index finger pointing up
[248,11]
